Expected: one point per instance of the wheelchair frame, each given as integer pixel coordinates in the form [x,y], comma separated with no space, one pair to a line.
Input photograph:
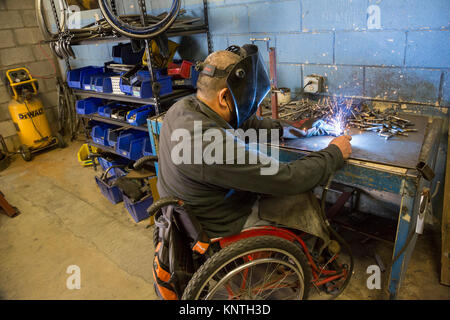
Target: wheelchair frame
[321,275]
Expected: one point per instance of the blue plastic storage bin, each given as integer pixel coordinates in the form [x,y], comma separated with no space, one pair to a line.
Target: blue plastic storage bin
[138,117]
[104,111]
[112,136]
[145,74]
[114,172]
[88,105]
[112,193]
[88,82]
[75,77]
[147,151]
[103,84]
[125,88]
[131,145]
[138,209]
[140,76]
[99,135]
[123,53]
[144,88]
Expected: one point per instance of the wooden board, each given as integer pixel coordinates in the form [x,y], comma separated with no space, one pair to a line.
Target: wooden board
[445,257]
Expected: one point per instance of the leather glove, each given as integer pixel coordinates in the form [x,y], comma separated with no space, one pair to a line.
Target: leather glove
[322,128]
[308,128]
[297,129]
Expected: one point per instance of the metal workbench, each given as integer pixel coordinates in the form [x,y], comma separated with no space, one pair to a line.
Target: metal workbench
[388,166]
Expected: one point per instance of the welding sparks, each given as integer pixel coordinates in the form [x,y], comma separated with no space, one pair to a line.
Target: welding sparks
[338,116]
[338,125]
[331,115]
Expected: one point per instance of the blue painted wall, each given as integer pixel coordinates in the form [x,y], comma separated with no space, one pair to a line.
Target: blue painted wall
[405,58]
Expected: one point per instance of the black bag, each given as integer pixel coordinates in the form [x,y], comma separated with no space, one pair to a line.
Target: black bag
[174,264]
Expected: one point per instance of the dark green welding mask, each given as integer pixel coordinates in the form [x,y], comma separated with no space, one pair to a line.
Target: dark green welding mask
[247,80]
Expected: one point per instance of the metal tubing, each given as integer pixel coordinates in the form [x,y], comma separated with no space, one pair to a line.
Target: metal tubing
[273,82]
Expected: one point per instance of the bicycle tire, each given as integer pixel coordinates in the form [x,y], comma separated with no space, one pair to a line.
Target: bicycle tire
[42,24]
[140,32]
[237,249]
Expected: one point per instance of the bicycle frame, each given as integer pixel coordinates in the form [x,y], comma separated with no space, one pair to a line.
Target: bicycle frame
[317,271]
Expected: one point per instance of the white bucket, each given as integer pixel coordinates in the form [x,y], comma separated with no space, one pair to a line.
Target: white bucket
[283,96]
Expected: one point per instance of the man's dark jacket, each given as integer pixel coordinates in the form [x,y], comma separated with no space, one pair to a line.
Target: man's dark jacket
[220,196]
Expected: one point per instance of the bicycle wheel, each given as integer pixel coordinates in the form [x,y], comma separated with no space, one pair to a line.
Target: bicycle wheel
[42,19]
[259,268]
[136,31]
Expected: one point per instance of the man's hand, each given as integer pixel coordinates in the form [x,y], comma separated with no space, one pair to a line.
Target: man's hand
[343,143]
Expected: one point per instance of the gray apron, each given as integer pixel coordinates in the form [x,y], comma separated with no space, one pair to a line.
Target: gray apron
[300,212]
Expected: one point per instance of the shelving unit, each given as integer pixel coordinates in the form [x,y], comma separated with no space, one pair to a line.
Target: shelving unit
[132,141]
[157,101]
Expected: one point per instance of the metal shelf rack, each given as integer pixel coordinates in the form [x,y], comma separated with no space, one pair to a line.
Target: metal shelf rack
[125,98]
[157,101]
[116,122]
[170,33]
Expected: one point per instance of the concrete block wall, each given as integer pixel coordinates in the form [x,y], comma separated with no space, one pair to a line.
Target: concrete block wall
[19,47]
[405,58]
[392,51]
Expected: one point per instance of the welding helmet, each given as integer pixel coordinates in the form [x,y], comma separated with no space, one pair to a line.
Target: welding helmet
[247,80]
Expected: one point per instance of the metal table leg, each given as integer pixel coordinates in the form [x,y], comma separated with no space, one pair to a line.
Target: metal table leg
[405,232]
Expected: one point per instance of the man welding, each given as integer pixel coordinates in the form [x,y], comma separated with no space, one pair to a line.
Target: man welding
[229,196]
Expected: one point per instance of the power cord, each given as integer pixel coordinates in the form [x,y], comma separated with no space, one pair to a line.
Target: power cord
[337,236]
[32,121]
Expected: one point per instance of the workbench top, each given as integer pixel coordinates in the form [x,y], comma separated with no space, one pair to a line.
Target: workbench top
[399,151]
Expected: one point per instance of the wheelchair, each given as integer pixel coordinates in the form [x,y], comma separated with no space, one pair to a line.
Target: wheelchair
[260,263]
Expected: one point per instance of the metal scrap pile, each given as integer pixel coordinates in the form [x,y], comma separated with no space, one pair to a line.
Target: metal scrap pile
[325,108]
[386,125]
[348,113]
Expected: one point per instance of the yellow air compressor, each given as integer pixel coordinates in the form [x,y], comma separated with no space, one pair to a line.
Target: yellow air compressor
[28,115]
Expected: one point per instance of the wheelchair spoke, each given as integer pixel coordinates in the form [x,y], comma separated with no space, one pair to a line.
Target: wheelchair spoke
[276,272]
[274,286]
[264,267]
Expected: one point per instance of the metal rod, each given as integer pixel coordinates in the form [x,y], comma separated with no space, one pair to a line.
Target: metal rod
[273,82]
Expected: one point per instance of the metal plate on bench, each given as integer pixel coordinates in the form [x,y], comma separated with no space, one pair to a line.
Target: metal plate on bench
[399,151]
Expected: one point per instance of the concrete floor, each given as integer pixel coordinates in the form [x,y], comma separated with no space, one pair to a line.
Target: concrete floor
[66,221]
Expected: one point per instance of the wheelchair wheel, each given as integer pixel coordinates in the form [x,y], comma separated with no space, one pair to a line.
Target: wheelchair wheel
[259,268]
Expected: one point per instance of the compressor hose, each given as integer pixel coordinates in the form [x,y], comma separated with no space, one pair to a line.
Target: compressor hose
[337,236]
[139,32]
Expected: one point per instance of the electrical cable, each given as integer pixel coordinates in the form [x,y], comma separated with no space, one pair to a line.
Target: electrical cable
[337,236]
[48,57]
[34,125]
